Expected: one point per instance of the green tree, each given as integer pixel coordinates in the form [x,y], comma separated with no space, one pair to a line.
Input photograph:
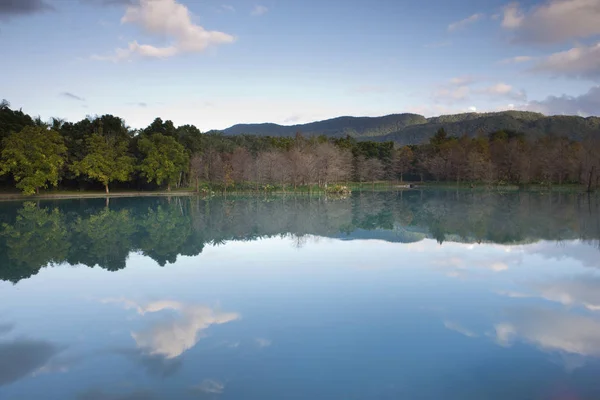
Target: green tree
[107,160]
[12,121]
[164,160]
[35,157]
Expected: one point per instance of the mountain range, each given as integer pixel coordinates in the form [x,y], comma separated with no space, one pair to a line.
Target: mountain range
[416,129]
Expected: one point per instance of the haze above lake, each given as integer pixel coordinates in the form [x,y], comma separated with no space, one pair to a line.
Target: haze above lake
[408,295]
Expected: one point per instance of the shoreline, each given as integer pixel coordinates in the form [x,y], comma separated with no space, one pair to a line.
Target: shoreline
[90,195]
[355,187]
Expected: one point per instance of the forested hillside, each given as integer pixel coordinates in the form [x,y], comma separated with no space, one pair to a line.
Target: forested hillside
[102,152]
[406,129]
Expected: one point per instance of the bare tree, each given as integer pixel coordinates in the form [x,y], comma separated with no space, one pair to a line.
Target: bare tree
[241,165]
[373,170]
[197,169]
[295,158]
[403,159]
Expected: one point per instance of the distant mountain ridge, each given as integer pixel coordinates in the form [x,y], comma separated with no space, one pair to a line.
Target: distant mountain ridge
[416,129]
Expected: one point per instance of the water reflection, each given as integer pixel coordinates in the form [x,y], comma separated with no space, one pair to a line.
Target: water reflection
[550,329]
[22,357]
[88,233]
[172,336]
[421,295]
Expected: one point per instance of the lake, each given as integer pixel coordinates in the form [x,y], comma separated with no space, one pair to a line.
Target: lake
[410,295]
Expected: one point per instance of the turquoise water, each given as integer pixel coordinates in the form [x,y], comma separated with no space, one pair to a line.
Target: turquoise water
[413,295]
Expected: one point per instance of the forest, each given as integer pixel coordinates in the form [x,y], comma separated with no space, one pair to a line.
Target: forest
[102,152]
[87,232]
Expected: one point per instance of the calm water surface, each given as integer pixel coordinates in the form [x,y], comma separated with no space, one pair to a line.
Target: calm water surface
[414,295]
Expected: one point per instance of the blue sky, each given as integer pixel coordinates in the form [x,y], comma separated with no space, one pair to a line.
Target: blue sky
[214,63]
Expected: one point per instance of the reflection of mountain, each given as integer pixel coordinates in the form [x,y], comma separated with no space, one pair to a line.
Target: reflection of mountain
[86,232]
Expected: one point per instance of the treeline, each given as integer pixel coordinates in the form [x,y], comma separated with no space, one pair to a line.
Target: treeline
[88,233]
[104,151]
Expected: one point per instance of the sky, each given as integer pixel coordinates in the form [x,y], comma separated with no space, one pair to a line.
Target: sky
[216,63]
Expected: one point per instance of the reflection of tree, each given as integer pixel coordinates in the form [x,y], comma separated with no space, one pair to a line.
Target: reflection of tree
[37,238]
[89,233]
[165,232]
[105,238]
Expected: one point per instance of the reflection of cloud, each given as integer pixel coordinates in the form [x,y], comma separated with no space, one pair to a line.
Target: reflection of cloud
[5,328]
[457,263]
[514,295]
[587,254]
[98,394]
[504,334]
[455,326]
[262,342]
[208,386]
[59,364]
[156,365]
[22,357]
[498,267]
[551,330]
[583,290]
[172,337]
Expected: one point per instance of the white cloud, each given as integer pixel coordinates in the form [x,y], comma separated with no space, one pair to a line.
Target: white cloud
[554,21]
[455,326]
[513,294]
[172,337]
[500,88]
[461,89]
[579,62]
[517,60]
[503,90]
[185,36]
[467,21]
[584,105]
[433,110]
[462,80]
[259,10]
[228,7]
[513,17]
[452,93]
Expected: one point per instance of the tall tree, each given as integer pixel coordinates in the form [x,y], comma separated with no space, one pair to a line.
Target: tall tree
[107,160]
[164,160]
[34,156]
[12,121]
